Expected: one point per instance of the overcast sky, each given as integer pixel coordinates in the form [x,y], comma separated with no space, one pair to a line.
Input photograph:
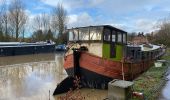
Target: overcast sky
[130,15]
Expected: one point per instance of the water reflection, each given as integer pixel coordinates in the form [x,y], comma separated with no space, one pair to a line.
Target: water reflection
[30,77]
[165,94]
[9,60]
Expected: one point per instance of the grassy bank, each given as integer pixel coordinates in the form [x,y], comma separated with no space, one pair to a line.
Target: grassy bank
[151,82]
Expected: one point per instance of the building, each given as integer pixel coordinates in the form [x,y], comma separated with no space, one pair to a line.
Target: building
[140,39]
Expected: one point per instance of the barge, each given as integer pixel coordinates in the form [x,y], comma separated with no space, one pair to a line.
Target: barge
[99,54]
[22,48]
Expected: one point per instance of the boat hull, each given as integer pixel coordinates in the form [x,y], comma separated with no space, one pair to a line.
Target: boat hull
[25,49]
[96,72]
[91,79]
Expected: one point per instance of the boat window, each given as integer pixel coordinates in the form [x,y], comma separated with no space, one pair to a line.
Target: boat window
[83,33]
[73,35]
[107,34]
[143,56]
[70,35]
[113,36]
[95,33]
[139,54]
[148,55]
[124,38]
[133,54]
[151,55]
[119,37]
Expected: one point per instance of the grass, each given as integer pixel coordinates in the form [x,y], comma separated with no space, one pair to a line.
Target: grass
[151,82]
[167,55]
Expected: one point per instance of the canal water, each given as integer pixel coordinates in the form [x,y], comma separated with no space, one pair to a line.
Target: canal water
[30,77]
[165,93]
[34,77]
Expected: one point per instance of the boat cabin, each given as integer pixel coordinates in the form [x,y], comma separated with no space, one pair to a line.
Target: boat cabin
[102,34]
[110,43]
[103,41]
[136,53]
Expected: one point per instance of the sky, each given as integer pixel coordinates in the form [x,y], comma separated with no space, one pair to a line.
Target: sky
[129,15]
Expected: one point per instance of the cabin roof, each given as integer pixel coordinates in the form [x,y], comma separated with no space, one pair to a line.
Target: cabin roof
[143,48]
[108,26]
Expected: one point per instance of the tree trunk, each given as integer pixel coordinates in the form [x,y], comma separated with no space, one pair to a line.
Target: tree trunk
[17,33]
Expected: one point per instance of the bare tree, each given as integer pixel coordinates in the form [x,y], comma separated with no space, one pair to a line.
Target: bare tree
[3,20]
[163,34]
[38,36]
[131,36]
[37,23]
[41,27]
[59,19]
[45,21]
[1,11]
[41,22]
[17,16]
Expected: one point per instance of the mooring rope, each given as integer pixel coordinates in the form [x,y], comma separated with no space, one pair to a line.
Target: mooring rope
[123,69]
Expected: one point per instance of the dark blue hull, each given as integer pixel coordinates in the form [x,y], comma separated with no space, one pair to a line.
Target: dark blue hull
[26,49]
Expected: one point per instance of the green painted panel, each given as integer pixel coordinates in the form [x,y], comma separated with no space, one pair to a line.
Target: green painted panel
[119,52]
[106,52]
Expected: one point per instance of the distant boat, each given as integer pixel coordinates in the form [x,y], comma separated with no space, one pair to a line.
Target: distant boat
[23,48]
[99,54]
[61,47]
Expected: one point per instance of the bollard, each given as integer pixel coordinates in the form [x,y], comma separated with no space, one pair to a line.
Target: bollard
[119,90]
